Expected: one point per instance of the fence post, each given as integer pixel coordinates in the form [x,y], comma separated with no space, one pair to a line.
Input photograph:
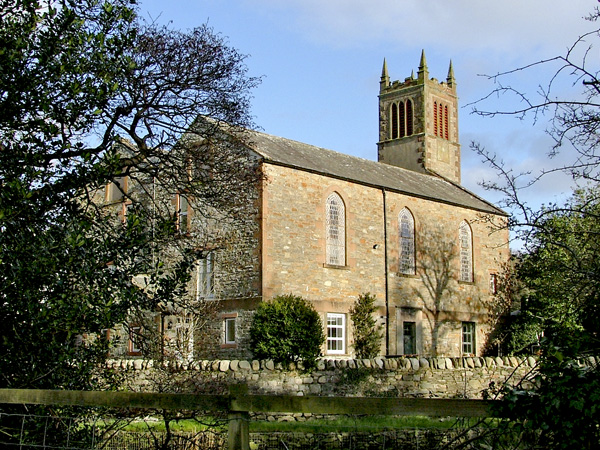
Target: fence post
[238,434]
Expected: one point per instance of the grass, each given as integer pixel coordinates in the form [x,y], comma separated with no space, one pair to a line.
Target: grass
[352,423]
[337,424]
[156,425]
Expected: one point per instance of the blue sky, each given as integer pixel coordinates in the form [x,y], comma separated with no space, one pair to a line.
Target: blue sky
[321,61]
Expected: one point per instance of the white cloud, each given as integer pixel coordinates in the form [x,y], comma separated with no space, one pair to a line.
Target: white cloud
[508,26]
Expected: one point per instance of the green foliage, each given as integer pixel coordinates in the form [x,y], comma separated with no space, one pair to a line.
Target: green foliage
[367,334]
[558,407]
[287,329]
[341,424]
[77,79]
[561,275]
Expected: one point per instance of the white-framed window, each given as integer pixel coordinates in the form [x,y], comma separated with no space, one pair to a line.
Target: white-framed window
[465,241]
[406,225]
[336,333]
[335,230]
[468,338]
[205,277]
[182,207]
[134,347]
[229,325]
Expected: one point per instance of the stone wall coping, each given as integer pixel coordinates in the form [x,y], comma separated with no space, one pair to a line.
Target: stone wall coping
[412,364]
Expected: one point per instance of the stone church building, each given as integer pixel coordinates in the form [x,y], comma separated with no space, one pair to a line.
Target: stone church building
[329,227]
[333,226]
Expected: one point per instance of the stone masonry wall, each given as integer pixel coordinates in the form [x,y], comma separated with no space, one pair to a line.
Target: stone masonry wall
[397,377]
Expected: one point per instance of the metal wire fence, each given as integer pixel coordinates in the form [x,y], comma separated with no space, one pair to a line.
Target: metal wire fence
[73,420]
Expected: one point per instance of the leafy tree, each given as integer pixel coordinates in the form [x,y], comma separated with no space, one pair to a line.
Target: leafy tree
[562,272]
[90,94]
[287,329]
[367,334]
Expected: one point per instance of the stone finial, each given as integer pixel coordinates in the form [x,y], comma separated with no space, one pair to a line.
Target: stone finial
[385,78]
[423,72]
[450,78]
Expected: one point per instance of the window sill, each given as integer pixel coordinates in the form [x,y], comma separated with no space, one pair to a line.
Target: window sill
[333,266]
[229,345]
[406,275]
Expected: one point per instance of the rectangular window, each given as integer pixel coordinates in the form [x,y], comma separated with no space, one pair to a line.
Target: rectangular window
[336,333]
[205,277]
[116,190]
[468,338]
[183,207]
[230,330]
[135,336]
[409,335]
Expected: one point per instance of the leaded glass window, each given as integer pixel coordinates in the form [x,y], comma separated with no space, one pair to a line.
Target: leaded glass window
[205,277]
[407,242]
[466,252]
[336,230]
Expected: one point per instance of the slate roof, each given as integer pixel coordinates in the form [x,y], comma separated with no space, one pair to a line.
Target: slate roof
[289,153]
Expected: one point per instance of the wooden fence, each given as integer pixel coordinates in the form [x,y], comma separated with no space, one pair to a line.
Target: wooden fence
[238,404]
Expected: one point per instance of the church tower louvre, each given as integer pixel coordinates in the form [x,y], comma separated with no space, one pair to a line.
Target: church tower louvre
[418,123]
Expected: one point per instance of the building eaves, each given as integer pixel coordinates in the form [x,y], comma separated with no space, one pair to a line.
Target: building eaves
[294,154]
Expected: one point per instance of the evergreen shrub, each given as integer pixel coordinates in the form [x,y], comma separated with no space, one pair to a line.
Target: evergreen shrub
[367,333]
[287,329]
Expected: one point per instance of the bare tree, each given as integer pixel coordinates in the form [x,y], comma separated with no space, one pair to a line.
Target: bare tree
[569,99]
[435,268]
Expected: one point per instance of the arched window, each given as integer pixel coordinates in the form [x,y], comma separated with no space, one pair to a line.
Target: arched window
[435,119]
[401,119]
[446,122]
[394,121]
[465,242]
[336,230]
[409,118]
[406,225]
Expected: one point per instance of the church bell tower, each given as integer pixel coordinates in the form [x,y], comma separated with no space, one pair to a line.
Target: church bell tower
[418,123]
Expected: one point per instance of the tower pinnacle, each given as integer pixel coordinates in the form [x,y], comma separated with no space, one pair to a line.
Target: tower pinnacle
[423,72]
[450,78]
[385,78]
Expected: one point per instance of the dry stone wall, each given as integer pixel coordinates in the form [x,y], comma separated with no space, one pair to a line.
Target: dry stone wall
[394,377]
